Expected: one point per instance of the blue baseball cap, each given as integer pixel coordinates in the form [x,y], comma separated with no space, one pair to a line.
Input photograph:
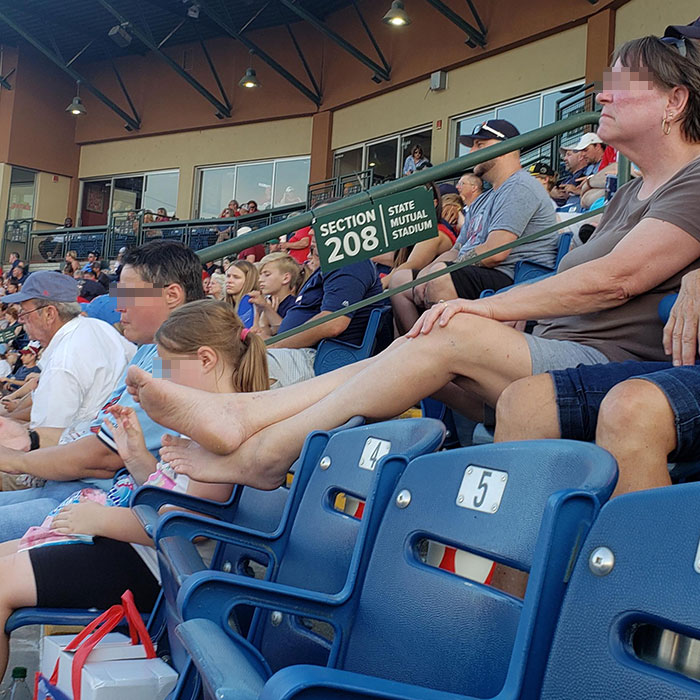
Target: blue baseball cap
[45,284]
[103,307]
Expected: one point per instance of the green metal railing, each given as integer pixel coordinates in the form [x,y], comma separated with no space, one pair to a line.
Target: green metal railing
[446,170]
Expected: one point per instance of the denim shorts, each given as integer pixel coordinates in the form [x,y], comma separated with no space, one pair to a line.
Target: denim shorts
[581,390]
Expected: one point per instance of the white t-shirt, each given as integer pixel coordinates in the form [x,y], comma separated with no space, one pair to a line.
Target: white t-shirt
[5,368]
[80,368]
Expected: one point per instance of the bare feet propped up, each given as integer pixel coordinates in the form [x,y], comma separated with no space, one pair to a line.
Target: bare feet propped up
[215,421]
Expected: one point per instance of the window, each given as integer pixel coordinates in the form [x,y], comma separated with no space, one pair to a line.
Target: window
[526,113]
[385,156]
[273,183]
[21,202]
[149,191]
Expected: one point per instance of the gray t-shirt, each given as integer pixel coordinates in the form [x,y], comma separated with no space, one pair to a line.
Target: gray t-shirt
[521,206]
[633,330]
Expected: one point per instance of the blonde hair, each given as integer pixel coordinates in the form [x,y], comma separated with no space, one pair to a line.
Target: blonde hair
[285,264]
[215,324]
[251,281]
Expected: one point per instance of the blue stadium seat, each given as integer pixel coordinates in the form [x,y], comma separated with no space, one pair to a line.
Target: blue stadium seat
[321,533]
[409,627]
[243,542]
[630,621]
[332,353]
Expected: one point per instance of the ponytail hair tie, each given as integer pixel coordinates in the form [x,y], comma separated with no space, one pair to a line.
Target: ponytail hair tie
[244,334]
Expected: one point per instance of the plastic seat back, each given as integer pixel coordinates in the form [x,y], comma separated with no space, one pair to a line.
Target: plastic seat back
[630,622]
[322,538]
[521,504]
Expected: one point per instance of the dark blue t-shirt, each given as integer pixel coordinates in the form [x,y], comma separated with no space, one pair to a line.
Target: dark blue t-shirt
[333,291]
[286,304]
[23,372]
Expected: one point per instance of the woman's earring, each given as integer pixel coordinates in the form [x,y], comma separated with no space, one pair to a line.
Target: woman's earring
[666,124]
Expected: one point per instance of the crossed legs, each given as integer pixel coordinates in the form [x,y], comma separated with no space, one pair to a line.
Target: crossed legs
[258,446]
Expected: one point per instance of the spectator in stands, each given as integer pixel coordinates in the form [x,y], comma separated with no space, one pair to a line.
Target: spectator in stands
[202,345]
[102,277]
[292,360]
[83,358]
[424,252]
[217,286]
[234,208]
[5,368]
[90,288]
[14,260]
[19,273]
[601,307]
[252,207]
[242,278]
[568,190]
[253,254]
[72,263]
[13,334]
[279,274]
[11,286]
[515,206]
[546,176]
[414,161]
[602,161]
[297,245]
[289,196]
[161,214]
[469,187]
[29,356]
[157,278]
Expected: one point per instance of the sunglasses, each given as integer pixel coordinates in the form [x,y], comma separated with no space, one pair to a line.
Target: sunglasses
[679,44]
[485,127]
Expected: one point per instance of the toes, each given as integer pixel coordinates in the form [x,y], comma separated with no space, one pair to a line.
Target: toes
[136,376]
[169,440]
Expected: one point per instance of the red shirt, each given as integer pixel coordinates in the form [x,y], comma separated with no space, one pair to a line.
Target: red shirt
[301,254]
[609,156]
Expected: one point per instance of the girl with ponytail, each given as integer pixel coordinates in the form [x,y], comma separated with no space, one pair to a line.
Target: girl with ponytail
[100,550]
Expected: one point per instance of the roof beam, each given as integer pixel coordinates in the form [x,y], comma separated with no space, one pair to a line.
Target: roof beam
[131,123]
[474,36]
[254,48]
[379,72]
[222,109]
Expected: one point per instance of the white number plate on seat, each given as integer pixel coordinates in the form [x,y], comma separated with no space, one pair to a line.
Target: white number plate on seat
[482,489]
[374,450]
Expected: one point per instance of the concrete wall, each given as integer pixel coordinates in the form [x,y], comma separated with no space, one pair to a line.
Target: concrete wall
[641,17]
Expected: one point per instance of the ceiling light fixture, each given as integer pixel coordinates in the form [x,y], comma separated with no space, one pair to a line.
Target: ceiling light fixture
[250,79]
[397,16]
[76,107]
[119,35]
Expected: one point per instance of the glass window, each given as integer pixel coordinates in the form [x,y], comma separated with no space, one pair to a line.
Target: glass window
[421,139]
[216,191]
[347,162]
[254,182]
[381,157]
[127,193]
[21,202]
[291,181]
[160,191]
[524,115]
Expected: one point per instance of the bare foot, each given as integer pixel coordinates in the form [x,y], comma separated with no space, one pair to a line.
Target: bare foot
[213,420]
[189,458]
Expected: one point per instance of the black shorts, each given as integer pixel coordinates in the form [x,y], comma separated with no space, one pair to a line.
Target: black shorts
[91,575]
[471,280]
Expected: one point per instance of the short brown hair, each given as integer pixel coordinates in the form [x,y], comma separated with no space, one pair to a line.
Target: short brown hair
[669,69]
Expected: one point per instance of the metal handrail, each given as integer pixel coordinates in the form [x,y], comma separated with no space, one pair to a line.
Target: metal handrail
[438,172]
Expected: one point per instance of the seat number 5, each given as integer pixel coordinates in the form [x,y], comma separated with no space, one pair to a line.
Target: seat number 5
[482,489]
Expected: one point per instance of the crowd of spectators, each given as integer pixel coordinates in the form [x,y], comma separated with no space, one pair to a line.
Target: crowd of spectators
[90,399]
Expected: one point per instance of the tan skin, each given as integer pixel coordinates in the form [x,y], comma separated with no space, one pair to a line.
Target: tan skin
[462,341]
[205,371]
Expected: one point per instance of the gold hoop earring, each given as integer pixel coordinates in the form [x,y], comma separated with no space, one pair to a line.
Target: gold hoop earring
[666,124]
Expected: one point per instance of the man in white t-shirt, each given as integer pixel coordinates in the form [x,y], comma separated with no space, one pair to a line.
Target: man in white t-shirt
[83,358]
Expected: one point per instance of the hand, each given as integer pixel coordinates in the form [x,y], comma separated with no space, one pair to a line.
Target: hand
[127,433]
[79,519]
[680,337]
[10,404]
[443,311]
[451,214]
[257,299]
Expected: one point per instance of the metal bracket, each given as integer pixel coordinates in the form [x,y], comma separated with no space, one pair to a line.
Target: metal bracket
[222,109]
[379,72]
[475,37]
[315,97]
[131,123]
[3,80]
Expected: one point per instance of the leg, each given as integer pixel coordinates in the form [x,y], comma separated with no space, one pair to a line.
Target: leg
[406,313]
[17,590]
[527,410]
[637,426]
[440,289]
[487,353]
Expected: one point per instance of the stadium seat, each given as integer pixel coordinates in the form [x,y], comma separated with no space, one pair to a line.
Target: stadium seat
[408,627]
[332,353]
[295,544]
[630,622]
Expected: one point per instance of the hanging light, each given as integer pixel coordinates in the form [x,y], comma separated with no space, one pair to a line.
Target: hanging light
[250,79]
[397,16]
[77,107]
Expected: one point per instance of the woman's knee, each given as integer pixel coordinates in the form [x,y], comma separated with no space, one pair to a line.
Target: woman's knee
[527,410]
